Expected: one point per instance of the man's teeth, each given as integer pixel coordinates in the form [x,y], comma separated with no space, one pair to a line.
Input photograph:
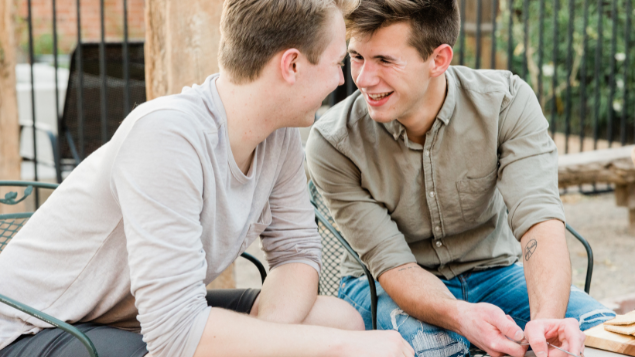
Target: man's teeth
[379,96]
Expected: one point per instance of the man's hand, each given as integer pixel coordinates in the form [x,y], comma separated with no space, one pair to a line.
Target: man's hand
[377,344]
[564,333]
[487,326]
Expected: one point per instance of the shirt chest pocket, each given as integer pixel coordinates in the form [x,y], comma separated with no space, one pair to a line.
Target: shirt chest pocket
[476,196]
[256,228]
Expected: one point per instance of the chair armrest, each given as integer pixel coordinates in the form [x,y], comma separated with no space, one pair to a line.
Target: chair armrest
[371,281]
[53,321]
[589,254]
[257,263]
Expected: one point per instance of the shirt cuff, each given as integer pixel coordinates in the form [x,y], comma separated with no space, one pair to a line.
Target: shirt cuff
[308,262]
[388,254]
[533,211]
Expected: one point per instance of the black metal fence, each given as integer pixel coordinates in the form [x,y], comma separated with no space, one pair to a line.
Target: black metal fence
[105,80]
[576,55]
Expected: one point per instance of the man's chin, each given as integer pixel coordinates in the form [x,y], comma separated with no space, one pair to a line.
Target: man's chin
[309,119]
[380,117]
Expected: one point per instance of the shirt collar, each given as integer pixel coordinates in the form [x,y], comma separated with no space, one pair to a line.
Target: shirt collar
[396,129]
[447,110]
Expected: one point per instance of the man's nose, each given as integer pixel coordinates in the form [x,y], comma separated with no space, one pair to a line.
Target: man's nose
[367,76]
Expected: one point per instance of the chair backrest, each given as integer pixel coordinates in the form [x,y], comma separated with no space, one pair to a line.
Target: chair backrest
[11,223]
[332,249]
[69,127]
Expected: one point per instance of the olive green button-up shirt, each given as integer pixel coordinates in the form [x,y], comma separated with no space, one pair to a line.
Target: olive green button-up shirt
[445,204]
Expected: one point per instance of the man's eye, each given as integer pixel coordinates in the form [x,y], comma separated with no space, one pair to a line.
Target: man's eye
[385,61]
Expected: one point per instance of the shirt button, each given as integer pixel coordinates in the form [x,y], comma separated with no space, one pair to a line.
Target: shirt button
[437,228]
[431,194]
[427,153]
[439,243]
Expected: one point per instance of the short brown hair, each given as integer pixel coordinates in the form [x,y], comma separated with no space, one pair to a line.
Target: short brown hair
[253,31]
[433,22]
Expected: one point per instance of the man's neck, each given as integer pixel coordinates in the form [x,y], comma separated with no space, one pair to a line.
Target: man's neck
[419,122]
[249,108]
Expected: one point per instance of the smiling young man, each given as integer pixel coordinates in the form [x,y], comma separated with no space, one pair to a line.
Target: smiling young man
[124,248]
[435,174]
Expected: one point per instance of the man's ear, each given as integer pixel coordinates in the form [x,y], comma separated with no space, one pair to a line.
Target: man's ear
[289,65]
[441,59]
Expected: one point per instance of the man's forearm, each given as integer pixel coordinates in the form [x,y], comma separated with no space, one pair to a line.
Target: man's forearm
[547,269]
[422,295]
[288,294]
[231,334]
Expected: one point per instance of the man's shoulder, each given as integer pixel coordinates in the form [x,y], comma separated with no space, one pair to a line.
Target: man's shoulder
[485,80]
[178,113]
[343,119]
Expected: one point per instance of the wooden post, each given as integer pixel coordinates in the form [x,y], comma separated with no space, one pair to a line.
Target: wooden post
[625,197]
[181,44]
[180,50]
[9,126]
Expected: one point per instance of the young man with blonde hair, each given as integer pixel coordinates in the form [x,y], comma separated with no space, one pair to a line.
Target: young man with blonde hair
[435,174]
[124,248]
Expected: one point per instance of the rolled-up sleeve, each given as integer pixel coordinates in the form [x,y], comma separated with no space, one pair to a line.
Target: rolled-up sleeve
[528,158]
[158,181]
[292,236]
[364,222]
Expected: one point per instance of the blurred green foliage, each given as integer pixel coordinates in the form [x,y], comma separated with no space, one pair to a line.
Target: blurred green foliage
[597,108]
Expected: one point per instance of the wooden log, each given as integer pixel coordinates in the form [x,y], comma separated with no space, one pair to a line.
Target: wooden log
[9,126]
[605,166]
[609,166]
[180,50]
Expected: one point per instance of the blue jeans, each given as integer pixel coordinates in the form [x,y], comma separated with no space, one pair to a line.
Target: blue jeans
[504,287]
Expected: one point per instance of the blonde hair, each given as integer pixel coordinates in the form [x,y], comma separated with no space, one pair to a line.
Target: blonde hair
[253,31]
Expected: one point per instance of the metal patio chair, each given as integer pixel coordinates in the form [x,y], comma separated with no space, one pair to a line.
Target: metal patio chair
[11,223]
[334,245]
[80,136]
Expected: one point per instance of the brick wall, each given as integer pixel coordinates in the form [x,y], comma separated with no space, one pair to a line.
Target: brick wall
[67,23]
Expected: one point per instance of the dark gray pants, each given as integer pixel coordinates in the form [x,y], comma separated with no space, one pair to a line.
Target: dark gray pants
[110,341]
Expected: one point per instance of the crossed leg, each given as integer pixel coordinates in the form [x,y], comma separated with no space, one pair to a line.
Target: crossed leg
[328,311]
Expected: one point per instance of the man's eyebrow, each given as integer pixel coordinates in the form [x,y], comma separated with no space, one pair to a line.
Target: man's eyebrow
[379,57]
[385,58]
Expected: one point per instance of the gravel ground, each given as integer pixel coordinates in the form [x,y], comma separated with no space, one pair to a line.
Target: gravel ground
[597,218]
[605,226]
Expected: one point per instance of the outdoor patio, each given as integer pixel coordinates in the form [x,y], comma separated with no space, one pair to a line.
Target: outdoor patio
[69,78]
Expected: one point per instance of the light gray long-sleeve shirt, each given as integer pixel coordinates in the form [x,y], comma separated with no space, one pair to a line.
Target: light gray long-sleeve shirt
[139,228]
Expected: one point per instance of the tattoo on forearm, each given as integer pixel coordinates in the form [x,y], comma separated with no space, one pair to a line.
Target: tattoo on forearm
[530,248]
[405,268]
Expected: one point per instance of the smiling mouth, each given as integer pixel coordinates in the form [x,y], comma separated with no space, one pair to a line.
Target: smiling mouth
[379,96]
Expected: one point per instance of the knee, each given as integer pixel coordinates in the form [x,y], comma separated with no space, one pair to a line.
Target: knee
[587,310]
[345,316]
[594,318]
[425,339]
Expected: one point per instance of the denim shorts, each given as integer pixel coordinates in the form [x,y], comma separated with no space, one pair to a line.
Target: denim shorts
[504,287]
